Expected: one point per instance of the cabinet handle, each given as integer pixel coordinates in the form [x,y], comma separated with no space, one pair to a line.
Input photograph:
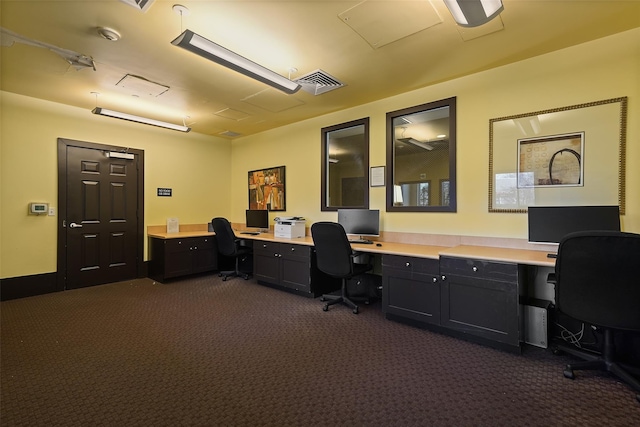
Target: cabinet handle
[264,245]
[434,280]
[408,264]
[293,249]
[474,268]
[443,277]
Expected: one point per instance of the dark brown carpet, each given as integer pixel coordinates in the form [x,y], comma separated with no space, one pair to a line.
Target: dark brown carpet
[203,352]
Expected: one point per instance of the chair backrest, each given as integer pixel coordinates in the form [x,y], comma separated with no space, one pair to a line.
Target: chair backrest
[333,250]
[225,236]
[598,278]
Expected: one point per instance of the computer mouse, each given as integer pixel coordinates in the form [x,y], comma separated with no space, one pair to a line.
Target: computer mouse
[378,244]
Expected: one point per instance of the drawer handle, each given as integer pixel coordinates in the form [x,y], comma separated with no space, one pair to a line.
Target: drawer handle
[264,245]
[474,268]
[443,277]
[434,280]
[293,249]
[408,264]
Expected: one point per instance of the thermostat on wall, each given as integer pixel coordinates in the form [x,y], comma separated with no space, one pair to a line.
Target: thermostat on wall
[38,208]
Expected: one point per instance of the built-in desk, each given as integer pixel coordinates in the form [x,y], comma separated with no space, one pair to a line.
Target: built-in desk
[178,254]
[472,292]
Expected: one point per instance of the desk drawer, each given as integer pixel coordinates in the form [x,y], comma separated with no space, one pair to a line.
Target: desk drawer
[262,247]
[415,265]
[292,251]
[177,245]
[478,268]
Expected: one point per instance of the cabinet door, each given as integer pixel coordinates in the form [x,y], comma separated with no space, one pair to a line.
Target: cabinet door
[411,289]
[295,264]
[475,302]
[178,259]
[204,252]
[295,274]
[266,262]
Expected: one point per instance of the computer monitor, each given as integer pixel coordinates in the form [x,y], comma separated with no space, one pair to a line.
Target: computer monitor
[360,222]
[257,218]
[549,224]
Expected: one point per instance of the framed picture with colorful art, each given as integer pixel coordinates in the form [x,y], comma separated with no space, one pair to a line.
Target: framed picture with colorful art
[267,189]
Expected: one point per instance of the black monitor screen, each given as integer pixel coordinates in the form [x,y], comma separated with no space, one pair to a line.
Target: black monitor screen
[258,218]
[362,222]
[548,224]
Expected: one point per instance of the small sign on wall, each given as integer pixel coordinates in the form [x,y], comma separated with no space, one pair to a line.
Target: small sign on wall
[164,192]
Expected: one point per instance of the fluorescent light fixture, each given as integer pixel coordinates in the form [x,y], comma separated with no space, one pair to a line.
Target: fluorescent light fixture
[473,13]
[144,120]
[214,52]
[417,143]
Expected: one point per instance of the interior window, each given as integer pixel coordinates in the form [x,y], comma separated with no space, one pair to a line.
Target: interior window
[345,165]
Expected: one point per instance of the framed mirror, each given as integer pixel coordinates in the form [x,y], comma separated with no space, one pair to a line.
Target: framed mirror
[421,158]
[572,155]
[345,166]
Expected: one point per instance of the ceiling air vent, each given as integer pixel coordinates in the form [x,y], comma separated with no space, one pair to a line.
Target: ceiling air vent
[230,134]
[141,5]
[318,82]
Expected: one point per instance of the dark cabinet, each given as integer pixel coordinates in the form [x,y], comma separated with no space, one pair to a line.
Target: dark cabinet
[283,264]
[290,266]
[411,288]
[481,298]
[169,258]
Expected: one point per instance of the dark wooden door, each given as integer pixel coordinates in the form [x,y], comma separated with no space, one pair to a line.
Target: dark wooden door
[101,217]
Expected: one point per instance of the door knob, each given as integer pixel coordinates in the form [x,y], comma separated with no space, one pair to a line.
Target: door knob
[74,225]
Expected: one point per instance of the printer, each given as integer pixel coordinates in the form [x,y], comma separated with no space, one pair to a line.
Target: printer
[289,227]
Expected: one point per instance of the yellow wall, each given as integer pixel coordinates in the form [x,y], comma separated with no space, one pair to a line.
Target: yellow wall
[603,69]
[197,167]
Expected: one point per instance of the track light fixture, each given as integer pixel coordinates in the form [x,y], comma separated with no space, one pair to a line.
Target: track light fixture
[214,52]
[473,13]
[139,119]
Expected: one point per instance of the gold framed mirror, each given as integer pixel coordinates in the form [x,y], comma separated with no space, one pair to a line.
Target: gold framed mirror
[572,155]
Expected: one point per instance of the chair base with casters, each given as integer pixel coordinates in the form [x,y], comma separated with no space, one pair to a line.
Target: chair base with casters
[605,362]
[344,298]
[235,273]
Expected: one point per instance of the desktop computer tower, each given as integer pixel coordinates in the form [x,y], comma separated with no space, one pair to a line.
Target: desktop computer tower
[536,323]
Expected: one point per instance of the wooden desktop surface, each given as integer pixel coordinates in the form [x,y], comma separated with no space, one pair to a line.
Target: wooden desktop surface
[489,253]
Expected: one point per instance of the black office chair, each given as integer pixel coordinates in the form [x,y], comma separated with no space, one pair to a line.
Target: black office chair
[335,258]
[229,245]
[597,282]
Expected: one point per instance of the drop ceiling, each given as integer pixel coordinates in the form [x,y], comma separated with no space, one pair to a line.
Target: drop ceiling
[375,48]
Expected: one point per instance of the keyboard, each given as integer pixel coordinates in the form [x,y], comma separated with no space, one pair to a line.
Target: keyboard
[252,233]
[361,242]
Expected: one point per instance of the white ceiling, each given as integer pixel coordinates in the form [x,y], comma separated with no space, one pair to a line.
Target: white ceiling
[378,48]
